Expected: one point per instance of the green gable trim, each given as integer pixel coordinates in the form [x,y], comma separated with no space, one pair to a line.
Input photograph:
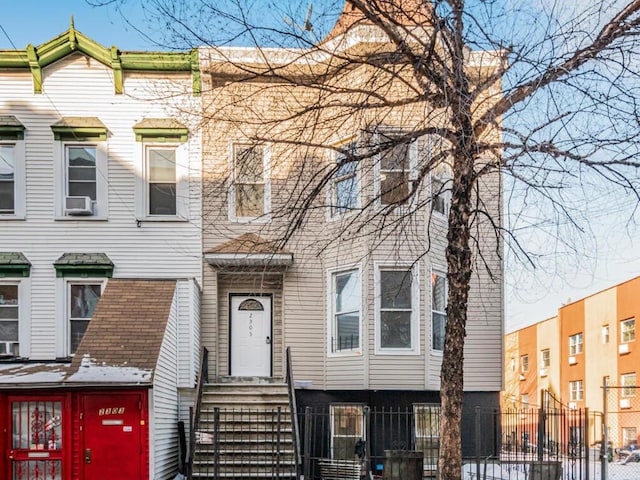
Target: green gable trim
[14,264]
[11,128]
[84,265]
[79,129]
[36,58]
[160,130]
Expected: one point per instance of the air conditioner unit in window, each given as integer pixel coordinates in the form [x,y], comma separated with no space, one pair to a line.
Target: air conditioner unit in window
[572,360]
[573,405]
[543,372]
[521,377]
[8,349]
[78,206]
[623,348]
[625,403]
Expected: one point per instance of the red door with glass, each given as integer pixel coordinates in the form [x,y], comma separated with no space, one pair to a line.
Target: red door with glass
[113,431]
[36,446]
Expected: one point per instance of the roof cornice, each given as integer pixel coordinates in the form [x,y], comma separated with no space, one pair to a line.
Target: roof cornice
[71,41]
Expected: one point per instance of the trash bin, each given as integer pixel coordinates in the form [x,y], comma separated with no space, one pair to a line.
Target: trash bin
[402,465]
[545,471]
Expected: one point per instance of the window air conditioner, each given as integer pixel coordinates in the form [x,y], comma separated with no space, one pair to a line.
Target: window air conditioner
[623,348]
[76,206]
[8,349]
[572,360]
[521,377]
[625,403]
[573,405]
[543,372]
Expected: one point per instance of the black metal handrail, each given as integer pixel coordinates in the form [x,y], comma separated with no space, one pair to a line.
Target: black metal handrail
[203,377]
[293,409]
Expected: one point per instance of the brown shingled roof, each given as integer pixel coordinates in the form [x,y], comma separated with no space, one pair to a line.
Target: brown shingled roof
[246,244]
[404,12]
[128,324]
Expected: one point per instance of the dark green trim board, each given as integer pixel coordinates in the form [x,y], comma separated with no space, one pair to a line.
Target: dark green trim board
[36,58]
[84,265]
[14,264]
[160,130]
[11,128]
[79,129]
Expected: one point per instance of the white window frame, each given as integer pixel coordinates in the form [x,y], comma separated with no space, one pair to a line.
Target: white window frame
[266,169]
[441,273]
[627,334]
[628,434]
[331,310]
[545,358]
[628,380]
[24,313]
[576,390]
[100,207]
[63,330]
[576,344]
[415,308]
[377,170]
[524,363]
[440,173]
[19,185]
[182,181]
[431,416]
[524,399]
[606,334]
[332,409]
[332,198]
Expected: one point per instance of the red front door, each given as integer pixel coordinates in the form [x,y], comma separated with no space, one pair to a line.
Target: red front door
[113,427]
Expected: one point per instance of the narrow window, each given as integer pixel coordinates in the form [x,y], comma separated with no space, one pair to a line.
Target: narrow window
[81,187]
[575,390]
[605,334]
[345,326]
[524,363]
[396,309]
[82,301]
[427,425]
[7,179]
[347,427]
[438,309]
[439,201]
[345,181]
[394,171]
[249,181]
[9,309]
[545,358]
[161,175]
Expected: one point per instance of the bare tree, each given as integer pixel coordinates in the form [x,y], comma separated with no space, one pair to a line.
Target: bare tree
[545,95]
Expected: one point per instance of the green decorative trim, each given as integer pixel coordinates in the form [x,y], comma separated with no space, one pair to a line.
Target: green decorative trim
[79,129]
[14,270]
[84,271]
[11,132]
[36,58]
[84,265]
[161,135]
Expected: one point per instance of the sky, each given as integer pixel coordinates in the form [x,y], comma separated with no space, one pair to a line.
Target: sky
[609,254]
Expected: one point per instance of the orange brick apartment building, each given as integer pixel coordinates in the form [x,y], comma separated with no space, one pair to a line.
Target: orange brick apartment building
[589,342]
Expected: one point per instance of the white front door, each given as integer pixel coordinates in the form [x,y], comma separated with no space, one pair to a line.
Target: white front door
[250,336]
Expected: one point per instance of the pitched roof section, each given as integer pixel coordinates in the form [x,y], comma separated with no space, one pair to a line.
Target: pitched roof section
[403,12]
[70,41]
[125,333]
[249,249]
[14,264]
[11,128]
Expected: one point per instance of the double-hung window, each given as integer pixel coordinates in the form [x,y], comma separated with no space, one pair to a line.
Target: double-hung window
[12,168]
[9,316]
[575,344]
[162,184]
[82,298]
[524,363]
[628,382]
[440,175]
[345,321]
[160,162]
[575,390]
[438,310]
[80,176]
[545,358]
[394,170]
[628,330]
[250,190]
[344,188]
[397,307]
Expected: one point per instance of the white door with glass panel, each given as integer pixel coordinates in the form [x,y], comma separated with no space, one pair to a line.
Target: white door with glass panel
[250,336]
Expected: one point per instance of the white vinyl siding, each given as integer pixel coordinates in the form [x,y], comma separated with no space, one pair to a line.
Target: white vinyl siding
[80,86]
[164,424]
